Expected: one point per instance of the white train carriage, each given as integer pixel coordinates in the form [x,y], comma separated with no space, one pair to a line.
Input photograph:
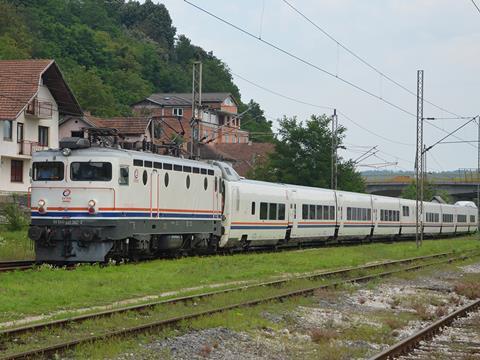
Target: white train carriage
[355,214]
[464,211]
[407,218]
[387,216]
[90,202]
[314,214]
[256,213]
[432,218]
[449,217]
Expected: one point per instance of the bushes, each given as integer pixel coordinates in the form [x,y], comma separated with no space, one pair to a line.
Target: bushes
[14,215]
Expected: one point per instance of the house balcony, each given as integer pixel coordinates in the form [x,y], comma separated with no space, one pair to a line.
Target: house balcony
[39,109]
[27,147]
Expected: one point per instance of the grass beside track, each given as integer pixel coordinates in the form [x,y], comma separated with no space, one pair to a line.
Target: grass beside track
[15,245]
[45,290]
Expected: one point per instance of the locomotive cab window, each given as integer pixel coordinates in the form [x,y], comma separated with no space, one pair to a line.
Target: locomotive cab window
[123,175]
[48,171]
[91,171]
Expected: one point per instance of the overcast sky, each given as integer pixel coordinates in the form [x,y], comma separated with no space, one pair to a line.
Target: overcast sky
[396,36]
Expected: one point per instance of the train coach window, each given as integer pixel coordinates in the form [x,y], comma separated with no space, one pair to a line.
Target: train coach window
[211,172]
[332,213]
[311,212]
[319,212]
[349,213]
[123,175]
[91,171]
[253,207]
[263,211]
[177,167]
[304,212]
[166,179]
[167,166]
[405,211]
[196,170]
[461,218]
[48,171]
[272,213]
[137,162]
[281,211]
[203,171]
[148,164]
[157,165]
[187,169]
[472,218]
[369,214]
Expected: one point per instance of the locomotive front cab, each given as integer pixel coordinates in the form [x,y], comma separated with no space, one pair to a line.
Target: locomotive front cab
[71,193]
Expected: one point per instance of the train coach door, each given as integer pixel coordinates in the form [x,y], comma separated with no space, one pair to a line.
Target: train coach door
[292,214]
[154,194]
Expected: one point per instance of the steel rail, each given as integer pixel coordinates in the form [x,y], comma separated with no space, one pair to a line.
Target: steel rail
[16,265]
[61,322]
[409,344]
[52,349]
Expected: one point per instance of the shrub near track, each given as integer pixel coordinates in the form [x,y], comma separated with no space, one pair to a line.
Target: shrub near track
[15,245]
[45,290]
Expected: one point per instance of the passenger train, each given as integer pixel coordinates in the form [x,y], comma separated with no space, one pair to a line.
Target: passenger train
[91,204]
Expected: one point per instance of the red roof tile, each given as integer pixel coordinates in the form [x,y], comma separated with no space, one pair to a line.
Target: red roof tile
[124,125]
[19,80]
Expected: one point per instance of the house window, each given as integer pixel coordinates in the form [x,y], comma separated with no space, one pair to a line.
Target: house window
[77,134]
[19,132]
[226,138]
[177,112]
[16,173]
[43,135]
[7,130]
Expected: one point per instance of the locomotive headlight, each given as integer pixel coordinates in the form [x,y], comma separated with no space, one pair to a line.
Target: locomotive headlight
[91,207]
[41,206]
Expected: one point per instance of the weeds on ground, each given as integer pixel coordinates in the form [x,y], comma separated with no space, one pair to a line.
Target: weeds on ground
[469,286]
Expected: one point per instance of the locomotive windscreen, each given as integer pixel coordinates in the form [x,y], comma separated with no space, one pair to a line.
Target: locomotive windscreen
[48,171]
[91,171]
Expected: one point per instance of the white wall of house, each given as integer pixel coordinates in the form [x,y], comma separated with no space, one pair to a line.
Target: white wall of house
[71,125]
[11,149]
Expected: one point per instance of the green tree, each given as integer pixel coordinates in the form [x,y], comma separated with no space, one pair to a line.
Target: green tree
[302,156]
[255,122]
[410,192]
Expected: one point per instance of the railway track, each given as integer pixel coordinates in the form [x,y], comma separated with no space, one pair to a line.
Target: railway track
[418,346]
[350,275]
[16,265]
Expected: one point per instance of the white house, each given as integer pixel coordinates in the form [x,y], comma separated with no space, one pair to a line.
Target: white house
[33,97]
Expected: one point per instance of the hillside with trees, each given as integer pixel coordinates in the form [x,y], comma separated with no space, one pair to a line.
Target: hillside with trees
[112,53]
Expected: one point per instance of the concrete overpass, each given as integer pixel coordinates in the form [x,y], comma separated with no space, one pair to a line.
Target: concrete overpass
[458,189]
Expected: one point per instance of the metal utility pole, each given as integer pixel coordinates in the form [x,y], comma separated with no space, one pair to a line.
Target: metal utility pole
[419,162]
[196,108]
[478,177]
[333,180]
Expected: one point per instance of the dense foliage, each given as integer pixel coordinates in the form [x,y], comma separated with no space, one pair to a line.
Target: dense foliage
[303,156]
[112,52]
[429,191]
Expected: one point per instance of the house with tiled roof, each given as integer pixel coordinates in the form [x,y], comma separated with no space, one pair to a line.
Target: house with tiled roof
[220,122]
[33,97]
[130,129]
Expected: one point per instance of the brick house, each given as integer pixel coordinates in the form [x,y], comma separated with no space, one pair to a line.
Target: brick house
[33,97]
[220,121]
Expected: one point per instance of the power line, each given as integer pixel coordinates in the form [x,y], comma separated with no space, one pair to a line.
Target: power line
[476,6]
[362,60]
[306,62]
[298,58]
[320,107]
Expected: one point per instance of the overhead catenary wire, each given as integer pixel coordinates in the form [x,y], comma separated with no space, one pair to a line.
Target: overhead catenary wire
[476,6]
[308,63]
[361,59]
